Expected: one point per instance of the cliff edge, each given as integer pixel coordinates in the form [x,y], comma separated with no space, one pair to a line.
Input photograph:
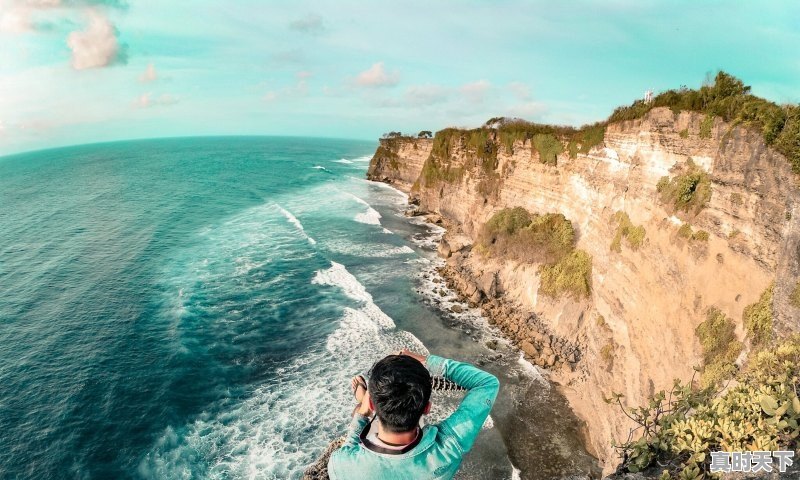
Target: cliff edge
[679,214]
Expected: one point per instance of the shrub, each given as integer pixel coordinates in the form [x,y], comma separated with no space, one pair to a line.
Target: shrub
[684,133]
[571,275]
[757,318]
[689,191]
[517,234]
[548,147]
[706,125]
[685,231]
[700,235]
[679,429]
[794,298]
[720,346]
[633,234]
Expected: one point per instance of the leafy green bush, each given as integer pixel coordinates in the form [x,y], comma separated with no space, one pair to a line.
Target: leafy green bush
[548,147]
[689,191]
[677,430]
[571,275]
[633,234]
[720,346]
[757,318]
[517,234]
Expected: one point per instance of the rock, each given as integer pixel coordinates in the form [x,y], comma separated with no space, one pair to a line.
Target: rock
[456,308]
[488,284]
[492,344]
[444,249]
[471,289]
[476,296]
[529,349]
[442,293]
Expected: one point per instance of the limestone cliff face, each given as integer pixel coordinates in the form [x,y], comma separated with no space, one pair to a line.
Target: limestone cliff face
[636,332]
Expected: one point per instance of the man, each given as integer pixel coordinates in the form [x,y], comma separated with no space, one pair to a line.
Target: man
[392,446]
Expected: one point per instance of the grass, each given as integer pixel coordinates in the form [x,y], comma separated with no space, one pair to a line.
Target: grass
[684,133]
[607,353]
[571,276]
[688,191]
[757,318]
[548,147]
[634,235]
[387,152]
[720,346]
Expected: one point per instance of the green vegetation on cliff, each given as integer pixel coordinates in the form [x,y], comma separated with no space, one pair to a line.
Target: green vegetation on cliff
[677,430]
[548,239]
[757,318]
[633,234]
[720,347]
[517,234]
[571,275]
[688,191]
[730,99]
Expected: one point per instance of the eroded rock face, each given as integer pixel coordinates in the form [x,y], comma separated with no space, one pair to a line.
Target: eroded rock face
[636,332]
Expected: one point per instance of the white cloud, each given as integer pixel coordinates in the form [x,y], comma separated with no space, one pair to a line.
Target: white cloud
[377,76]
[149,75]
[96,46]
[311,24]
[520,91]
[420,95]
[476,92]
[147,100]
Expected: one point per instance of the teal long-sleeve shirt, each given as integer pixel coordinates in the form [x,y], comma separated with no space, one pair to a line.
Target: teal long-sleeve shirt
[438,455]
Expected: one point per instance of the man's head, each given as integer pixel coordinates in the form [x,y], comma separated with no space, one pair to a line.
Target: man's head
[400,392]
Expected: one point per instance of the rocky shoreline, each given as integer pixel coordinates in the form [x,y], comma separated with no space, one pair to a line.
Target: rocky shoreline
[484,290]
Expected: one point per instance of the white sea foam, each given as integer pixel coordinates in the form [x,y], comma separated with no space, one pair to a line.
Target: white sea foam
[344,160]
[282,425]
[320,167]
[294,221]
[387,231]
[365,158]
[370,217]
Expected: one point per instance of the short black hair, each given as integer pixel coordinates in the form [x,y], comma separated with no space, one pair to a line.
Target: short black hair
[400,389]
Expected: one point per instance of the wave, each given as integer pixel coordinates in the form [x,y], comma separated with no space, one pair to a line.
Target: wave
[320,167]
[294,221]
[365,158]
[277,430]
[370,217]
[344,161]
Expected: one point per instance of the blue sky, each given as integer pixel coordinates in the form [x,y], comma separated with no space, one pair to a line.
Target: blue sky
[81,71]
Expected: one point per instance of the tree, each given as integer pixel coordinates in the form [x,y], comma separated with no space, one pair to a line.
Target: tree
[425,134]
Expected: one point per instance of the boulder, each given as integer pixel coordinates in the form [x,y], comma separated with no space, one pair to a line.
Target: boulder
[456,308]
[488,284]
[529,349]
[444,249]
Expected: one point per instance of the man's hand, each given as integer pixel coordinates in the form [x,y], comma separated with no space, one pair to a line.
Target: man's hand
[408,353]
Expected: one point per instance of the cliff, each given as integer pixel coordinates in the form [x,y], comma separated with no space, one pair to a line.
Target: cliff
[636,329]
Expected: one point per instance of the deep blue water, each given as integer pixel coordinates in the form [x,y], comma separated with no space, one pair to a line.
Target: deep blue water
[193,308]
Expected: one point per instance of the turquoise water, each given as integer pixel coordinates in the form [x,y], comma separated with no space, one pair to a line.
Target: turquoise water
[193,308]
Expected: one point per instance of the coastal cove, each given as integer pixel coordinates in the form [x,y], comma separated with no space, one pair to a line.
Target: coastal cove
[214,296]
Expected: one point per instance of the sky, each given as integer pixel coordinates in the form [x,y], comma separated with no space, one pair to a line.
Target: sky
[84,71]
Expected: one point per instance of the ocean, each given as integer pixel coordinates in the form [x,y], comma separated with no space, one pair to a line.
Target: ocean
[194,309]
